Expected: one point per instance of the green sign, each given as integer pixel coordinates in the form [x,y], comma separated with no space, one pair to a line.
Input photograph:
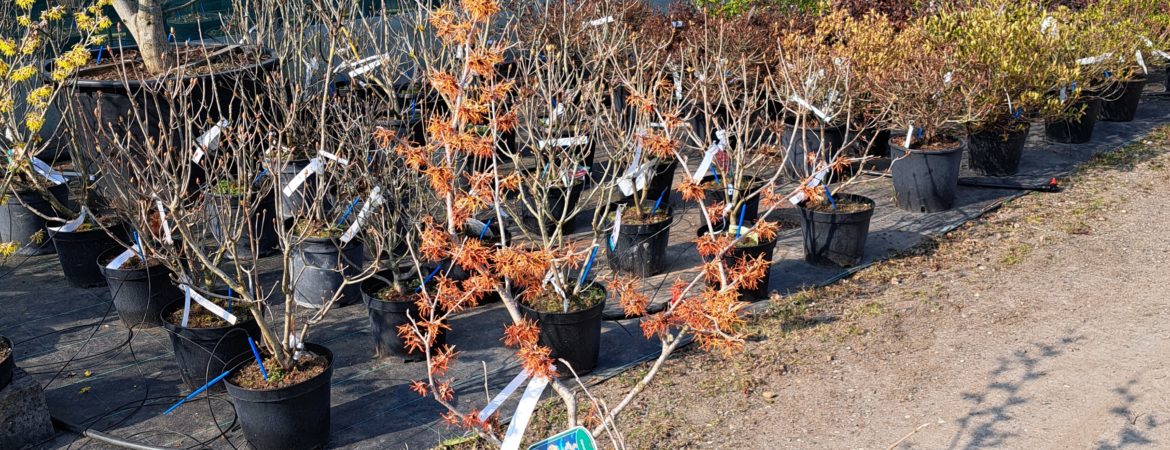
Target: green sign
[577,438]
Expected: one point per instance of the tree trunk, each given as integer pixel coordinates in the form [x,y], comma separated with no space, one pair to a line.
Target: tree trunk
[144,19]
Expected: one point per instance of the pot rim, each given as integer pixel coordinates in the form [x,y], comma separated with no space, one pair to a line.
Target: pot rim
[124,85]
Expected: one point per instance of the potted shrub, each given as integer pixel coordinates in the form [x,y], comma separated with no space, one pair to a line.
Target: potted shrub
[1074,108]
[835,225]
[203,342]
[81,240]
[140,282]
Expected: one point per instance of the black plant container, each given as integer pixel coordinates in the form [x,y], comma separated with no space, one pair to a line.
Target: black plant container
[139,294]
[660,183]
[224,214]
[1123,104]
[559,200]
[766,249]
[319,268]
[1079,130]
[574,337]
[874,142]
[287,418]
[204,353]
[8,364]
[77,250]
[798,142]
[997,153]
[750,208]
[926,180]
[20,224]
[298,202]
[640,248]
[387,316]
[836,238]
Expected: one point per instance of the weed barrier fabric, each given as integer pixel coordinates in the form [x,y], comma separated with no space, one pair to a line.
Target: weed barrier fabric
[52,322]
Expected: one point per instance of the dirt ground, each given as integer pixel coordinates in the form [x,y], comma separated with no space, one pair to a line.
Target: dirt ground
[1042,325]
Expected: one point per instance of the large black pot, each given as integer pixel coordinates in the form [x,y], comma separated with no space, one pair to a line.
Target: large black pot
[204,353]
[997,153]
[8,364]
[1079,130]
[750,208]
[659,184]
[836,238]
[798,142]
[1123,104]
[574,337]
[926,180]
[738,253]
[258,238]
[386,317]
[298,202]
[20,224]
[139,294]
[291,417]
[320,267]
[560,203]
[77,250]
[640,249]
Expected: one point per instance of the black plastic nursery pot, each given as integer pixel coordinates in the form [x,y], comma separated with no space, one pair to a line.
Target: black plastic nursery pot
[836,238]
[8,363]
[386,316]
[557,201]
[574,336]
[289,417]
[20,224]
[640,249]
[874,142]
[139,294]
[296,203]
[718,193]
[926,180]
[1079,130]
[204,353]
[1123,104]
[660,183]
[77,250]
[996,152]
[765,249]
[319,268]
[799,141]
[258,238]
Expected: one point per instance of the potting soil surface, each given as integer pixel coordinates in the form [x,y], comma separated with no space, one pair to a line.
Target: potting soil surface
[99,374]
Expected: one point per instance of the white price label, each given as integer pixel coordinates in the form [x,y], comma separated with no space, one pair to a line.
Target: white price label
[374,201]
[313,167]
[162,218]
[208,141]
[523,413]
[209,306]
[47,171]
[501,397]
[564,142]
[601,21]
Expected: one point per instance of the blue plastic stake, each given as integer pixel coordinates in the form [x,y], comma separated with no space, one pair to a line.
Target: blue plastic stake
[658,202]
[138,246]
[229,308]
[830,195]
[588,265]
[348,210]
[199,391]
[260,176]
[413,102]
[1108,74]
[428,278]
[486,225]
[739,224]
[716,174]
[99,58]
[259,361]
[1019,113]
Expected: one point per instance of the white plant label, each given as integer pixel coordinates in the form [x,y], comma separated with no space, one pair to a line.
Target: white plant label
[374,201]
[806,105]
[677,84]
[121,259]
[377,61]
[332,157]
[1141,61]
[601,21]
[1048,26]
[818,178]
[677,24]
[1094,59]
[74,224]
[523,413]
[617,227]
[564,142]
[162,218]
[948,77]
[209,306]
[501,397]
[208,141]
[1063,94]
[47,171]
[186,307]
[295,344]
[314,166]
[705,164]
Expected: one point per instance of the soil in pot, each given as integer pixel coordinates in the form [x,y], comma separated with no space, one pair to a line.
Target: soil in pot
[575,335]
[258,236]
[291,409]
[749,246]
[7,362]
[78,249]
[1078,130]
[715,191]
[139,290]
[926,177]
[388,309]
[20,224]
[1123,104]
[208,343]
[835,232]
[996,151]
[320,265]
[640,247]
